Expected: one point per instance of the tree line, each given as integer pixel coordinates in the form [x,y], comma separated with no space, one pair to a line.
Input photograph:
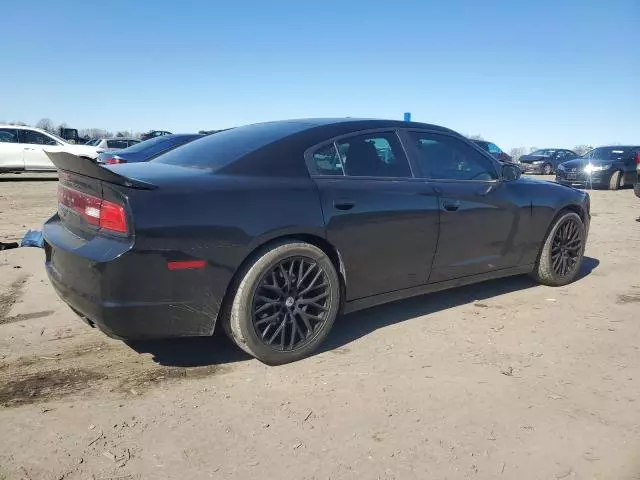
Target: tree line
[518,152]
[50,126]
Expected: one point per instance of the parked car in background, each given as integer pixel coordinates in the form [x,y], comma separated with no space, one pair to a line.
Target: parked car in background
[147,150]
[270,230]
[494,150]
[115,143]
[23,148]
[154,133]
[546,161]
[609,167]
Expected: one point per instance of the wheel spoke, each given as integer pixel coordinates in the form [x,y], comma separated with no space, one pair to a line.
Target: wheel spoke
[267,319]
[290,303]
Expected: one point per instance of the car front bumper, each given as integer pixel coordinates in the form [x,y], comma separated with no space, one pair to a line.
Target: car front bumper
[532,168]
[584,180]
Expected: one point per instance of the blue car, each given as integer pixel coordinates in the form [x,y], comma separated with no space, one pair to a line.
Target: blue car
[147,150]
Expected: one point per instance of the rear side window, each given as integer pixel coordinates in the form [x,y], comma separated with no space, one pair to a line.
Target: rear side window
[327,161]
[214,152]
[374,155]
[8,135]
[443,157]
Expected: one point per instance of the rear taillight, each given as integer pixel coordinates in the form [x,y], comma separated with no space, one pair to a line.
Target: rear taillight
[638,160]
[95,211]
[114,160]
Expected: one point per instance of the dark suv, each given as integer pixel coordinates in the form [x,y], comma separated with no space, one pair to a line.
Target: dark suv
[546,161]
[609,167]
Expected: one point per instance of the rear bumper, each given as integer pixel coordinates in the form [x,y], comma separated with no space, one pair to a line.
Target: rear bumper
[128,295]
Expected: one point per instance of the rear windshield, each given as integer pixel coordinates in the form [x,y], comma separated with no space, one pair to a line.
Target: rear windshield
[167,141]
[220,149]
[609,153]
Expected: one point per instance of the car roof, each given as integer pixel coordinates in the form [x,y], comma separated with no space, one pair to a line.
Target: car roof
[617,146]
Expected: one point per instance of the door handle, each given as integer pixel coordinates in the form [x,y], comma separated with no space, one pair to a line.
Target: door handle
[344,204]
[451,205]
[28,148]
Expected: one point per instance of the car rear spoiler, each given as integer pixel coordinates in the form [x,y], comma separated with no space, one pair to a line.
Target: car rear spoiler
[68,162]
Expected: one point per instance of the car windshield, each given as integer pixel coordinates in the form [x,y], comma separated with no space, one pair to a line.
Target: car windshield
[543,153]
[608,153]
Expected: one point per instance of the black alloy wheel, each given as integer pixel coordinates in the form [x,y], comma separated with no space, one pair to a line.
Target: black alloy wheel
[547,169]
[567,247]
[290,303]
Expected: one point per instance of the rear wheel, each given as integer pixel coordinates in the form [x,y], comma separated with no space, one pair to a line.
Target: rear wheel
[561,255]
[547,169]
[616,181]
[285,304]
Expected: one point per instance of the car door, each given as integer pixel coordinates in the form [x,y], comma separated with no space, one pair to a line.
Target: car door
[559,157]
[483,220]
[10,150]
[34,144]
[383,222]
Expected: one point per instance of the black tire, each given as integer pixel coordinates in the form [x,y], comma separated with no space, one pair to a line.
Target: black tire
[547,169]
[546,270]
[615,181]
[261,280]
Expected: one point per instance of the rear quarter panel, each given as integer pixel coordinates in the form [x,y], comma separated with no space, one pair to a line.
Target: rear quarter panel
[222,219]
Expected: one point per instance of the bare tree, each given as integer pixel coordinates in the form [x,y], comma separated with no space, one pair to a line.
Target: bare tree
[477,136]
[582,149]
[47,125]
[533,149]
[22,124]
[516,153]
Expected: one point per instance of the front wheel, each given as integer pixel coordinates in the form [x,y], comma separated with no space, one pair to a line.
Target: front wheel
[285,304]
[547,169]
[616,181]
[561,256]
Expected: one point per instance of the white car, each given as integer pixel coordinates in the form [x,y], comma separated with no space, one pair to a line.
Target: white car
[23,149]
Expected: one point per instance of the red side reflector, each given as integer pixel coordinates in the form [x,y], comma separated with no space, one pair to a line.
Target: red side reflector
[186,265]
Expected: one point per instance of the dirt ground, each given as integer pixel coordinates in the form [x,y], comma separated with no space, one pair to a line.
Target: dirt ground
[505,379]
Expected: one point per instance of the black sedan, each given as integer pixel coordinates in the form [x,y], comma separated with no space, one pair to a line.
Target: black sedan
[147,150]
[271,230]
[546,161]
[610,167]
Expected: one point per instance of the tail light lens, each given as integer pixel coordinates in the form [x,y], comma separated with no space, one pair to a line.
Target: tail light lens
[114,160]
[95,211]
[638,160]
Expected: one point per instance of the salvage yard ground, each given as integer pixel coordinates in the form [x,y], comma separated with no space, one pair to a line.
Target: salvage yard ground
[501,380]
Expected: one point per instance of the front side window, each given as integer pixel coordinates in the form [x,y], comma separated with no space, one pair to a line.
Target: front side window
[8,135]
[36,138]
[493,148]
[443,157]
[374,155]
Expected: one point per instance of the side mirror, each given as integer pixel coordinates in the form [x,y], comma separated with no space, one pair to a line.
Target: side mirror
[510,172]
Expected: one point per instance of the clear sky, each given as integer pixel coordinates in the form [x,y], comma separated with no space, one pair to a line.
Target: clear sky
[521,73]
